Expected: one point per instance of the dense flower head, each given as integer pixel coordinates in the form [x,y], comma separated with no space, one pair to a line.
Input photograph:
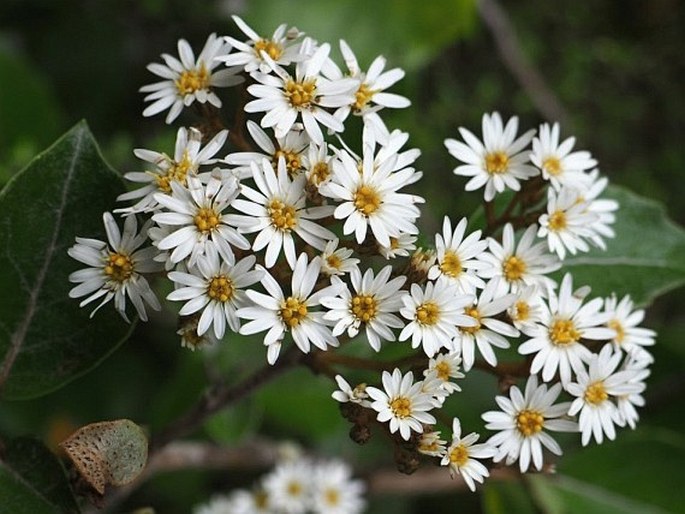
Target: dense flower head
[306,233]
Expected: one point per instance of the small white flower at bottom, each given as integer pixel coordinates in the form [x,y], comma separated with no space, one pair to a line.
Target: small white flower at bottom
[334,491]
[462,454]
[289,486]
[522,423]
[402,403]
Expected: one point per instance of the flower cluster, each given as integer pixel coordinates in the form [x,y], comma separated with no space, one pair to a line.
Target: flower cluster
[295,486]
[301,239]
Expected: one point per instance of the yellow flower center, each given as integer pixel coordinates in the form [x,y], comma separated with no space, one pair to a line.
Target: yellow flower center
[294,488]
[557,221]
[459,455]
[261,499]
[272,49]
[320,172]
[282,215]
[362,97]
[563,332]
[401,407]
[552,165]
[292,161]
[332,497]
[206,219]
[595,393]
[443,370]
[529,422]
[366,200]
[620,332]
[293,311]
[220,288]
[191,81]
[364,307]
[514,268]
[300,94]
[334,261]
[428,313]
[473,312]
[522,310]
[119,267]
[178,171]
[429,446]
[451,264]
[496,162]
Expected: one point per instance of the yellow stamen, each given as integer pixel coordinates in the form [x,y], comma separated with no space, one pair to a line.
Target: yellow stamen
[514,268]
[293,164]
[206,219]
[451,264]
[596,393]
[529,422]
[428,313]
[320,172]
[620,331]
[552,165]
[459,455]
[283,216]
[362,97]
[563,332]
[401,407]
[191,81]
[366,200]
[557,221]
[293,311]
[272,49]
[220,288]
[119,267]
[473,312]
[364,307]
[443,371]
[496,163]
[300,94]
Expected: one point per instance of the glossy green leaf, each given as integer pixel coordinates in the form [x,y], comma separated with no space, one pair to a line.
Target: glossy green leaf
[404,31]
[32,481]
[46,340]
[645,259]
[563,494]
[642,467]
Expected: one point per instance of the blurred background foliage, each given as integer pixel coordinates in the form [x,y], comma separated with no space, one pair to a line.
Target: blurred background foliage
[617,70]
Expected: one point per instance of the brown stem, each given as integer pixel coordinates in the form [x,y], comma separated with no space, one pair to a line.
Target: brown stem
[513,57]
[220,396]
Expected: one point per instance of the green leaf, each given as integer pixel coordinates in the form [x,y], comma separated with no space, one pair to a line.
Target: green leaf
[46,340]
[32,481]
[644,260]
[407,32]
[643,467]
[507,497]
[561,494]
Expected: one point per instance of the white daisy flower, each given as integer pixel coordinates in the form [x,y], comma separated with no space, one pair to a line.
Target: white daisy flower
[370,198]
[306,96]
[188,157]
[432,385]
[523,421]
[499,162]
[400,246]
[458,257]
[337,261]
[445,366]
[370,305]
[488,331]
[291,147]
[568,222]
[334,491]
[558,164]
[430,444]
[282,48]
[277,210]
[595,391]
[402,403]
[289,486]
[318,164]
[526,312]
[116,269]
[602,208]
[370,96]
[517,266]
[277,313]
[187,79]
[624,319]
[346,393]
[462,454]
[435,313]
[199,213]
[217,505]
[215,288]
[557,341]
